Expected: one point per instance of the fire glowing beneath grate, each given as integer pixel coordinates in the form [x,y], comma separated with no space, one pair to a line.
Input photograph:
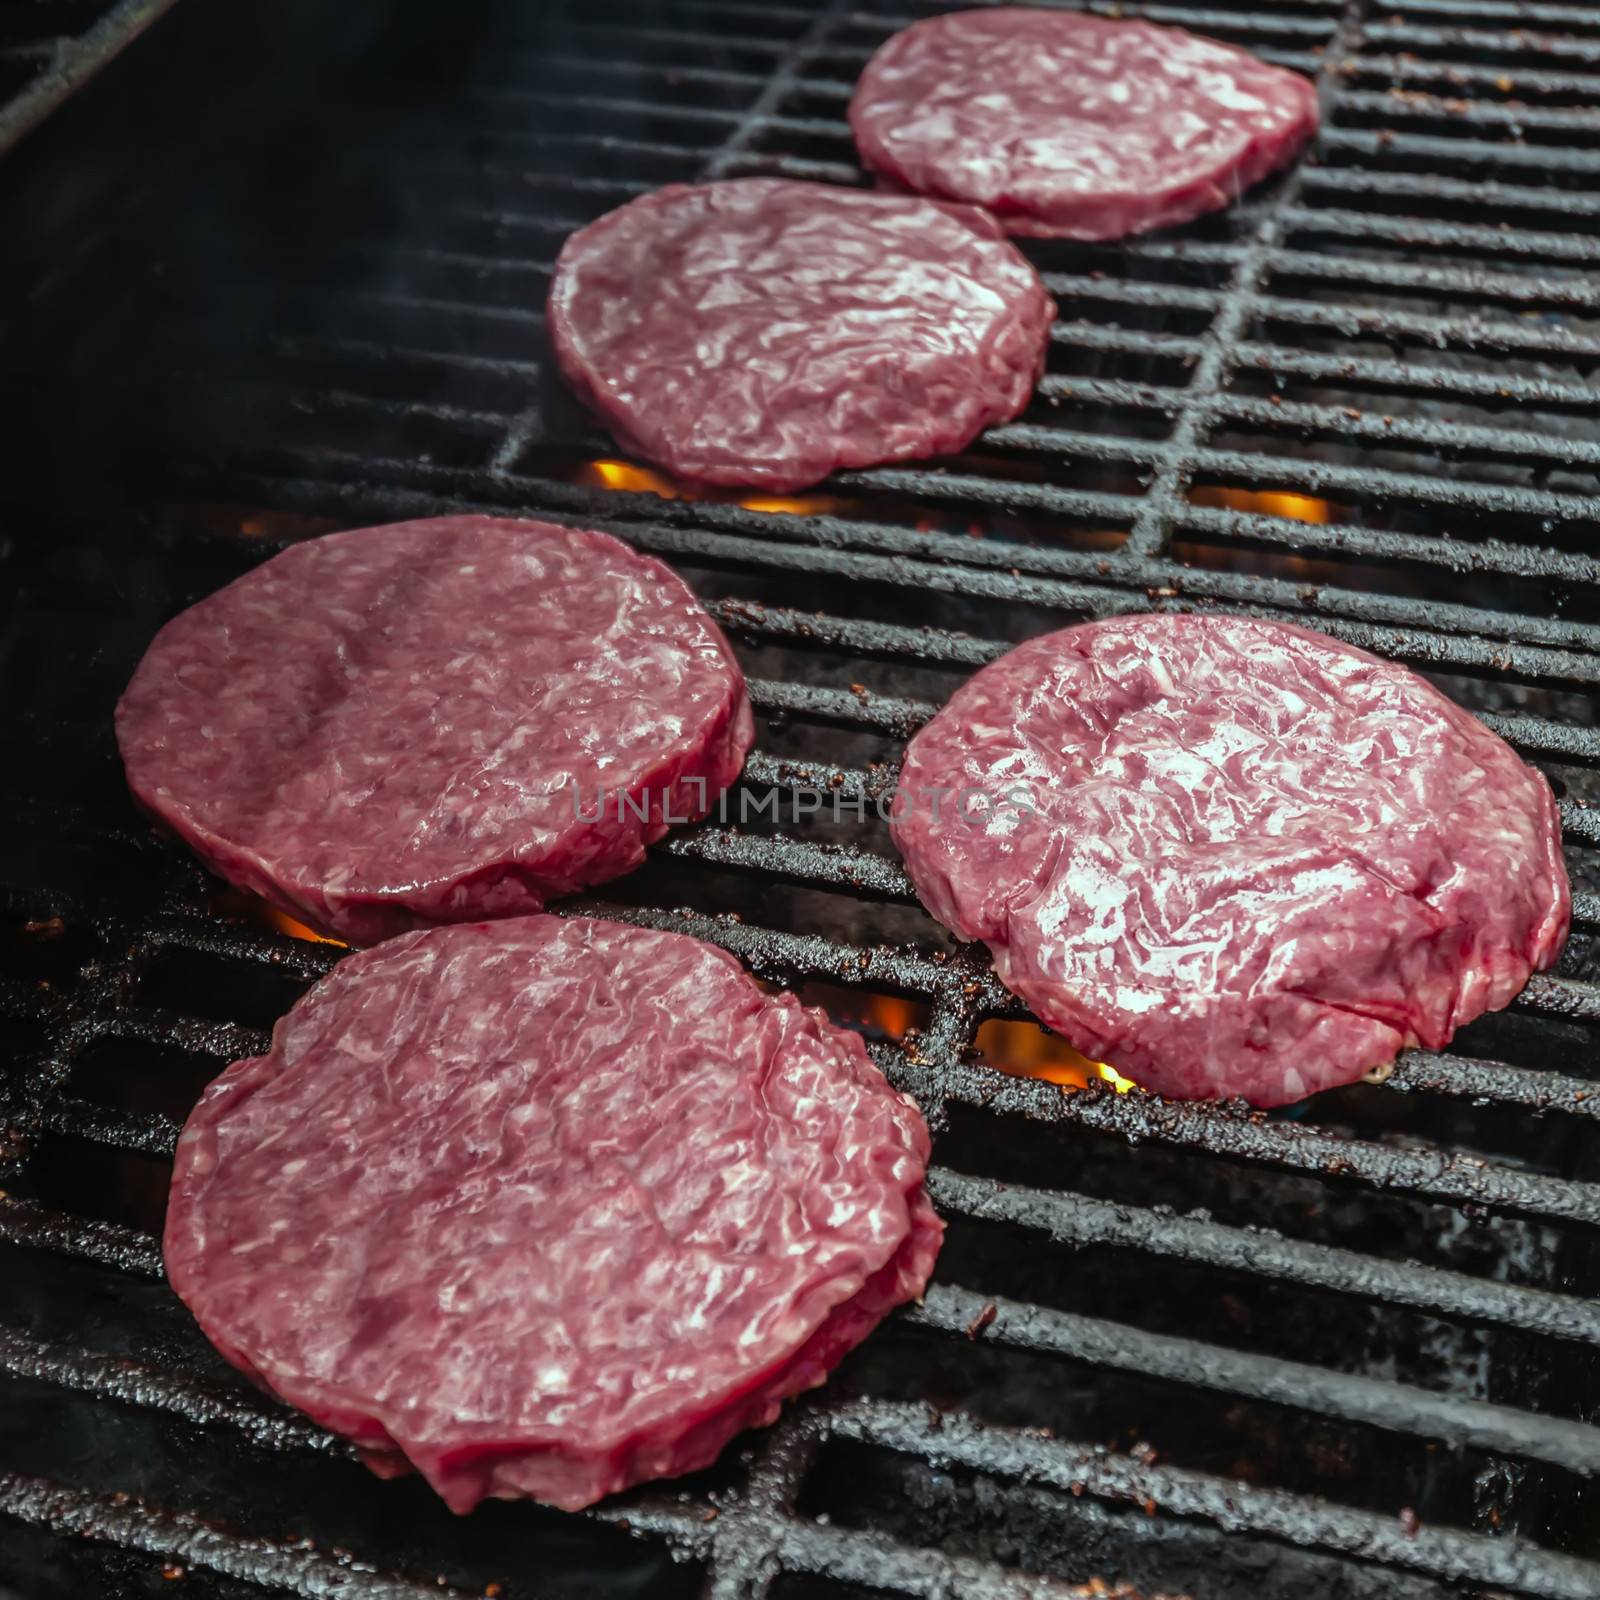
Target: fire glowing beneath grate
[642,480]
[243,906]
[1020,1049]
[1264,502]
[1025,1050]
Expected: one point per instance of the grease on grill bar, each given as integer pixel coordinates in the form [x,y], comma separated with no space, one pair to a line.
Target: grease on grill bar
[1173,1349]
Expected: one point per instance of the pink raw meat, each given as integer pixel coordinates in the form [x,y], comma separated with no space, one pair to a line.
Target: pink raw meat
[1076,127]
[417,723]
[1260,862]
[545,1207]
[762,333]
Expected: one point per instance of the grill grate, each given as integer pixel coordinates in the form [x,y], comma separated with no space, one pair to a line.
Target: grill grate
[49,47]
[1296,410]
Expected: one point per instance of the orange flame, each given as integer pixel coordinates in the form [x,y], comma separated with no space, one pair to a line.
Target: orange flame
[890,1014]
[284,923]
[1265,502]
[1025,1050]
[246,907]
[631,479]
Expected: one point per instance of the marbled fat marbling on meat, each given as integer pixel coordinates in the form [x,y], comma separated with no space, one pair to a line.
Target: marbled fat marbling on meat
[1261,861]
[547,1206]
[415,723]
[1076,127]
[759,333]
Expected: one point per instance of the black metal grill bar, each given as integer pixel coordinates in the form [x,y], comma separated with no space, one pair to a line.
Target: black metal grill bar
[1313,477]
[888,713]
[1429,1071]
[1007,1453]
[743,1562]
[71,62]
[868,782]
[1376,1402]
[1081,1220]
[1458,74]
[186,1541]
[266,1424]
[885,1565]
[1269,596]
[1558,247]
[1336,538]
[1522,444]
[1533,735]
[320,345]
[1518,13]
[106,1244]
[1504,45]
[233,942]
[1153,523]
[1516,443]
[1438,187]
[228,1041]
[1471,114]
[624,105]
[669,74]
[1369,142]
[756,10]
[755,621]
[1067,1218]
[610,40]
[1227,23]
[1014,1453]
[1476,283]
[1132,291]
[1134,341]
[959,986]
[1224,1130]
[1560,997]
[270,1425]
[1401,375]
[763,163]
[1384,143]
[823,866]
[145,1133]
[774,93]
[1480,336]
[1032,573]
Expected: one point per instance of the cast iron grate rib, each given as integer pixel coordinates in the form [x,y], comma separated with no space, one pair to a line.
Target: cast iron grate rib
[1403,319]
[48,48]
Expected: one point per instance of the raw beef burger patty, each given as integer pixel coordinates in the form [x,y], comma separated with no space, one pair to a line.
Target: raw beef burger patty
[547,1206]
[418,723]
[1075,127]
[762,333]
[1259,862]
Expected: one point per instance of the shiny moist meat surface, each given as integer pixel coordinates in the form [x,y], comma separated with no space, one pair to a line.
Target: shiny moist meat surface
[762,333]
[547,1206]
[434,721]
[1255,861]
[1076,127]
